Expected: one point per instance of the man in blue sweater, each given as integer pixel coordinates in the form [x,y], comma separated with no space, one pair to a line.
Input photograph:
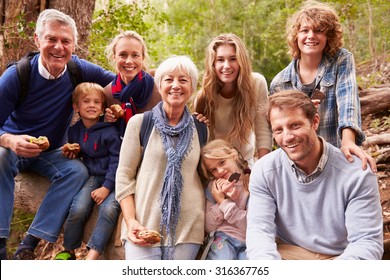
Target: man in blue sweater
[306,200]
[46,111]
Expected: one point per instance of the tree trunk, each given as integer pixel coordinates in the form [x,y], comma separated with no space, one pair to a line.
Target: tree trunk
[30,188]
[81,12]
[16,34]
[18,20]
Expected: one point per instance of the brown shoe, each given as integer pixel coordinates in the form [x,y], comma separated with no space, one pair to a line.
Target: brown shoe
[25,254]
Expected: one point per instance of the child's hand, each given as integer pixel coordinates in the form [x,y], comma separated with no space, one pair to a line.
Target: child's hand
[100,194]
[316,103]
[68,155]
[217,193]
[228,188]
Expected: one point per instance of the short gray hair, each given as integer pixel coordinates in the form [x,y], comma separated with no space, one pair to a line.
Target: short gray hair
[50,15]
[180,62]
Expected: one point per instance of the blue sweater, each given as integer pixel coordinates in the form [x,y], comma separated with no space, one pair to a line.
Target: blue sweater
[100,145]
[338,213]
[47,110]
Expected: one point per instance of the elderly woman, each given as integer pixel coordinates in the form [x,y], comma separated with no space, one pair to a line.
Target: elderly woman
[158,186]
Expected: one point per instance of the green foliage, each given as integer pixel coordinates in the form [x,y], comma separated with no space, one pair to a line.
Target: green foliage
[19,225]
[261,24]
[117,17]
[187,26]
[19,30]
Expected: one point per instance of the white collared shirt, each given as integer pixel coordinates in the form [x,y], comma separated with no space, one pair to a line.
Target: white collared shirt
[44,73]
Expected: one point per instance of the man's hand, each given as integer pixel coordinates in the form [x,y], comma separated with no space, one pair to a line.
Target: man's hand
[20,145]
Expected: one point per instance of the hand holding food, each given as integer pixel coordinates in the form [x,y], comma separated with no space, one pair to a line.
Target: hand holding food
[117,111]
[150,236]
[41,141]
[73,148]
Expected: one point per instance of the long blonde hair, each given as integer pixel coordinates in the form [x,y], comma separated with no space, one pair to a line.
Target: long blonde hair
[206,102]
[220,149]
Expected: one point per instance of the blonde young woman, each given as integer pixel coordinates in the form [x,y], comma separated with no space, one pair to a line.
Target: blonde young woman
[133,87]
[232,96]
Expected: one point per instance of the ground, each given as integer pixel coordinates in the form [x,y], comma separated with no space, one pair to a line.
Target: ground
[383,170]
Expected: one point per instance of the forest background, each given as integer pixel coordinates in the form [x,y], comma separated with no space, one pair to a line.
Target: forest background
[187,26]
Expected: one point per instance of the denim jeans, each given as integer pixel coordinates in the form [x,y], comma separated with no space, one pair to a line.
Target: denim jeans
[80,211]
[225,247]
[66,176]
[183,251]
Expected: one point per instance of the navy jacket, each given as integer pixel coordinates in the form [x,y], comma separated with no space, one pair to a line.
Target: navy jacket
[100,145]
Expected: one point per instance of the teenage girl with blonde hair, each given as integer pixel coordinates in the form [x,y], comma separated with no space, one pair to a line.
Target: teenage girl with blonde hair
[232,96]
[226,199]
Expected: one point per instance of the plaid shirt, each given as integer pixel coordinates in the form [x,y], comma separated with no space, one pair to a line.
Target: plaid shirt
[337,79]
[307,178]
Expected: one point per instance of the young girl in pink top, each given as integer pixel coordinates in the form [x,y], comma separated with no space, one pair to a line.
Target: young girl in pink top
[226,199]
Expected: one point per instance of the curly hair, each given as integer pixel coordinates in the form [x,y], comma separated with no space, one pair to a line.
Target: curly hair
[321,16]
[206,101]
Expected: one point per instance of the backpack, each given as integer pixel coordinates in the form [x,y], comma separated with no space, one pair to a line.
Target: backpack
[23,68]
[148,124]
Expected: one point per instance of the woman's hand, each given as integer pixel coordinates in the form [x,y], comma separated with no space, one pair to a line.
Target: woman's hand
[109,116]
[133,227]
[201,118]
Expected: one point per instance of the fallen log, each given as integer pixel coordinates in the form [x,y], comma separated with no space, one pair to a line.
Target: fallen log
[374,100]
[380,139]
[30,188]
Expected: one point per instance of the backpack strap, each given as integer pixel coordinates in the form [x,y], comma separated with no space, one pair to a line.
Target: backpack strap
[23,68]
[147,126]
[74,73]
[201,127]
[146,129]
[207,244]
